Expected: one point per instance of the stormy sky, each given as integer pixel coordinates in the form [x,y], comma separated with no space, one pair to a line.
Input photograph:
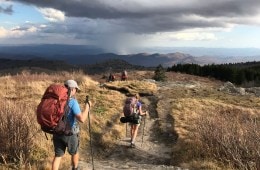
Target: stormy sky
[125,25]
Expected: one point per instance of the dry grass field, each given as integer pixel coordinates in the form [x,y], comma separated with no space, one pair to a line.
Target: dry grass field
[211,129]
[215,130]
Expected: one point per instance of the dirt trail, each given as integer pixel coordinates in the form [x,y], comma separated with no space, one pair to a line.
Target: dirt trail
[153,152]
[152,146]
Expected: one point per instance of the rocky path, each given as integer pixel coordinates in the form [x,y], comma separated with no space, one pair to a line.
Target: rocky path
[155,138]
[152,148]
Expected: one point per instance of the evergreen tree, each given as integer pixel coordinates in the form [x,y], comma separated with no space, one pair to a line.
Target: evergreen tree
[238,73]
[159,73]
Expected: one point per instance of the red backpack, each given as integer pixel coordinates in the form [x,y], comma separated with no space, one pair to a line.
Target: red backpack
[130,104]
[51,109]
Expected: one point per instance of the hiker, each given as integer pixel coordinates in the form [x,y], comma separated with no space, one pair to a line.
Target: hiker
[124,75]
[111,77]
[135,126]
[61,142]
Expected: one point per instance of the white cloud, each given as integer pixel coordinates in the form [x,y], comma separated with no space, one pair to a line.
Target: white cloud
[52,15]
[17,31]
[43,26]
[194,36]
[3,32]
[189,35]
[250,20]
[32,29]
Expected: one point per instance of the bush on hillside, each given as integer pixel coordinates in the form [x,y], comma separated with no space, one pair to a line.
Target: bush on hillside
[17,132]
[159,73]
[231,136]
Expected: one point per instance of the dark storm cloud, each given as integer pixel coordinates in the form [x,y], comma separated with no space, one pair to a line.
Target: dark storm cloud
[147,8]
[226,8]
[165,23]
[145,16]
[7,10]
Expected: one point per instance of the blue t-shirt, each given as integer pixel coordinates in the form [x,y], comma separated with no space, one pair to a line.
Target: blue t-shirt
[138,105]
[74,110]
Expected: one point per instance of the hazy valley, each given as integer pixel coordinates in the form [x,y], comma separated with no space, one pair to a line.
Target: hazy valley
[80,55]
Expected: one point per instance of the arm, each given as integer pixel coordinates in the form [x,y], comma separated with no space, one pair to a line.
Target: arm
[81,117]
[140,110]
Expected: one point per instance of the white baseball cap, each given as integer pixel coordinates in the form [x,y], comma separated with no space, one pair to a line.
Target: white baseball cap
[72,84]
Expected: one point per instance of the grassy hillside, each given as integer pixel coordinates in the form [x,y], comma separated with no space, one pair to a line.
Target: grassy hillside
[206,128]
[214,130]
[19,98]
[9,66]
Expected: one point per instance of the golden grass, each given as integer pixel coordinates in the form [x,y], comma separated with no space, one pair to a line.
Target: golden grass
[17,131]
[26,89]
[190,107]
[133,86]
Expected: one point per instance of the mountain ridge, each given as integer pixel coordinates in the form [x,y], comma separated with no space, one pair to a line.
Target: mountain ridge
[79,54]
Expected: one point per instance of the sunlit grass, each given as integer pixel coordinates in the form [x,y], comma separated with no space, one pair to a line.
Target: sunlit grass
[26,89]
[202,117]
[214,127]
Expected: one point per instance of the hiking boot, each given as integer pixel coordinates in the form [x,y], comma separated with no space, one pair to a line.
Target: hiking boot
[75,168]
[132,145]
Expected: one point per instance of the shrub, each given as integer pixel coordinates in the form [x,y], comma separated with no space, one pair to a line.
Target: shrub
[231,136]
[159,73]
[17,130]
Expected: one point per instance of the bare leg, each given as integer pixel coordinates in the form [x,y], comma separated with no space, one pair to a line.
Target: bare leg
[56,163]
[75,160]
[134,130]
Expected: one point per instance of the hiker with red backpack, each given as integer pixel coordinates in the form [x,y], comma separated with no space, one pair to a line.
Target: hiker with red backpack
[59,113]
[133,114]
[124,75]
[71,142]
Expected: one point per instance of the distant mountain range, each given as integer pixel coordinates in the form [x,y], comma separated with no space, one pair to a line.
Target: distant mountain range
[82,55]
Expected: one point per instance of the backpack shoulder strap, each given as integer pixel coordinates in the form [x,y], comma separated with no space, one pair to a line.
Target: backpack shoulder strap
[66,110]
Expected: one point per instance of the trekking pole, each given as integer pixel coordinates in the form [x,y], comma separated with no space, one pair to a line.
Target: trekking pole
[143,129]
[90,141]
[126,130]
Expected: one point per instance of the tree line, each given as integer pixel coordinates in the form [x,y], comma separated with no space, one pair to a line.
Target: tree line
[247,74]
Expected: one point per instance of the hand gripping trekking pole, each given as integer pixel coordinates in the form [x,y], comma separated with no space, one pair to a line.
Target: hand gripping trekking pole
[90,140]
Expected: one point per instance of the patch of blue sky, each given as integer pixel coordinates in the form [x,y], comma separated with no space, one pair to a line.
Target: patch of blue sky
[21,14]
[243,36]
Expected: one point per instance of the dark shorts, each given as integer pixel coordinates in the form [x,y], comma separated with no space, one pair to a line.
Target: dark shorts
[137,120]
[61,142]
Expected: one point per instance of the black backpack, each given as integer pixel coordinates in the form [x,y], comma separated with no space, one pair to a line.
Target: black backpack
[135,119]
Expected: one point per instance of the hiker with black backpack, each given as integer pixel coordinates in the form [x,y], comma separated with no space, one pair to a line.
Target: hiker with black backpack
[111,77]
[71,142]
[133,110]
